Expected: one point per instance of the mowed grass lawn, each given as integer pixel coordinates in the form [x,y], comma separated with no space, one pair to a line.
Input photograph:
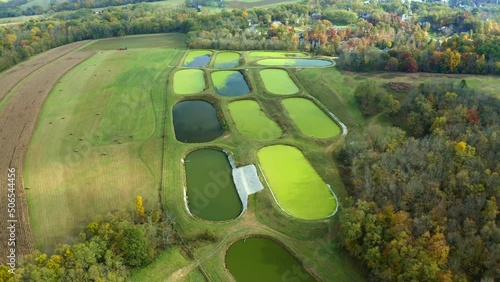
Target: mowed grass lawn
[98,142]
[297,187]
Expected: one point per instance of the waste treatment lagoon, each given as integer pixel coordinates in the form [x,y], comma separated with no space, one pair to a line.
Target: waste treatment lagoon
[196,121]
[211,193]
[296,186]
[262,259]
[252,122]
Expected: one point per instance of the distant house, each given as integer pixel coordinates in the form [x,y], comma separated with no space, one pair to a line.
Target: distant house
[315,16]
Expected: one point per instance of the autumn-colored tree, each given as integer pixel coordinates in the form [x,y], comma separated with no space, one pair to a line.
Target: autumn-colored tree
[139,208]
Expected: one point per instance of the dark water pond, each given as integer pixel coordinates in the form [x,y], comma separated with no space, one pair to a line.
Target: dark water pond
[211,192]
[196,121]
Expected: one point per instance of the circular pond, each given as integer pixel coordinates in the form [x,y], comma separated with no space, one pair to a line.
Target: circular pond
[262,259]
[252,122]
[190,81]
[211,193]
[278,82]
[230,83]
[198,58]
[196,121]
[227,60]
[295,62]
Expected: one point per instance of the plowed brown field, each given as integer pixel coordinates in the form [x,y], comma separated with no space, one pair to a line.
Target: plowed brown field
[18,118]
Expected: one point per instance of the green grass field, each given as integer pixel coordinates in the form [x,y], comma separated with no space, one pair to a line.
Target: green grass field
[297,187]
[252,122]
[311,120]
[189,81]
[166,263]
[164,40]
[278,82]
[98,141]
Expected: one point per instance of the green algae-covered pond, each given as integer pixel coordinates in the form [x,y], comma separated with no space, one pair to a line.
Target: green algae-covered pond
[295,62]
[227,60]
[211,193]
[263,260]
[230,83]
[196,121]
[310,119]
[252,122]
[198,58]
[189,81]
[278,82]
[296,185]
[277,54]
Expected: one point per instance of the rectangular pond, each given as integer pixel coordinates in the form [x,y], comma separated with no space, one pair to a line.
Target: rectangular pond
[211,193]
[278,82]
[196,121]
[252,122]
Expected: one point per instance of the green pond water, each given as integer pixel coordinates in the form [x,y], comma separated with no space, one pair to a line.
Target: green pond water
[264,260]
[277,54]
[278,82]
[252,122]
[189,81]
[295,62]
[227,60]
[195,122]
[230,83]
[310,119]
[211,193]
[198,58]
[296,185]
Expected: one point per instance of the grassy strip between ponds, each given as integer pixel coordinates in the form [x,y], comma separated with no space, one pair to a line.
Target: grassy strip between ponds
[278,82]
[227,60]
[189,81]
[252,122]
[298,188]
[311,120]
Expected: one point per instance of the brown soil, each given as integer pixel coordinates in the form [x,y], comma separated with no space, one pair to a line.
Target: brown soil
[17,123]
[13,76]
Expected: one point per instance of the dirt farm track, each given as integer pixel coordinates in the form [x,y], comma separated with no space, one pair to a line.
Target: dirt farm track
[29,84]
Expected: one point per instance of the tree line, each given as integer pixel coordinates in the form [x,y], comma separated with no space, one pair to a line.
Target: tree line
[372,37]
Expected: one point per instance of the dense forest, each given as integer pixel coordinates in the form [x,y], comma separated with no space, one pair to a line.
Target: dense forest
[428,37]
[426,198]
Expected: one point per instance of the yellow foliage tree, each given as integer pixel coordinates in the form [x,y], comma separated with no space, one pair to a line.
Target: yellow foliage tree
[139,209]
[460,148]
